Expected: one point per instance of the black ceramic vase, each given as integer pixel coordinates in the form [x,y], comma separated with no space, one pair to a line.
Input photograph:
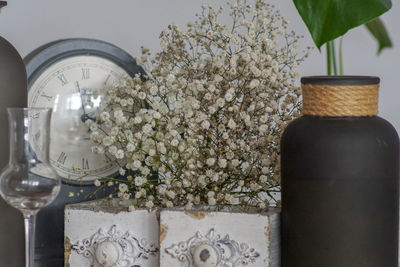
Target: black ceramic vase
[13,85]
[340,178]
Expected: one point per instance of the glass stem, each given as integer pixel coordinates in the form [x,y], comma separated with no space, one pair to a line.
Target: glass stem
[29,221]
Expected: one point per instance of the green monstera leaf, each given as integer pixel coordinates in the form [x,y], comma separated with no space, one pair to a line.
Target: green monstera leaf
[328,19]
[379,32]
[3,4]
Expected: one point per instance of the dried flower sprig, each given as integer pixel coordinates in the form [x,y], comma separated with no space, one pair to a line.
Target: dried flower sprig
[204,125]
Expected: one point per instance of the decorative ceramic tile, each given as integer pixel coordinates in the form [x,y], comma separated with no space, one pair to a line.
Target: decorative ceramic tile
[113,237]
[220,239]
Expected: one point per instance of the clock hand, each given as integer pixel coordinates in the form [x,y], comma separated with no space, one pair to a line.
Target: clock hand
[92,115]
[84,116]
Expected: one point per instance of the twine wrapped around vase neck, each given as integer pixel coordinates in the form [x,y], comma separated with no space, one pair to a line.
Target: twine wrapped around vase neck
[340,100]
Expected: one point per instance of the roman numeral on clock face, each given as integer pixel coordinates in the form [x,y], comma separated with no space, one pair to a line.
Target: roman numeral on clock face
[35,116]
[49,98]
[85,164]
[37,135]
[62,79]
[61,159]
[108,78]
[85,74]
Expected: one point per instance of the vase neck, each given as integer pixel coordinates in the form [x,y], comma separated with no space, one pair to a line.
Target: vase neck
[338,99]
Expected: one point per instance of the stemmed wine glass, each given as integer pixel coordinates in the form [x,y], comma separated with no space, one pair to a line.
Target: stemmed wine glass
[28,182]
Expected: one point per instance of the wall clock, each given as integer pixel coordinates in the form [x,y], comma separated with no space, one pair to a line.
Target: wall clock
[72,76]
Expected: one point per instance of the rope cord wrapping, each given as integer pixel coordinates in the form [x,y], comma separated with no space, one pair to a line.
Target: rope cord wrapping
[340,100]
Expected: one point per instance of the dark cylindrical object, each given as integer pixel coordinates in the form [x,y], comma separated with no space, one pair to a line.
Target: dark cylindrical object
[340,178]
[13,91]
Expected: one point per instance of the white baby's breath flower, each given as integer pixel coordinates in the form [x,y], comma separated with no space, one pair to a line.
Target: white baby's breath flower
[124,102]
[245,165]
[163,150]
[104,116]
[152,152]
[263,128]
[138,195]
[131,208]
[189,206]
[147,129]
[171,194]
[137,119]
[140,180]
[113,150]
[263,178]
[114,131]
[169,204]
[210,161]
[222,163]
[123,188]
[145,171]
[136,164]
[220,102]
[119,154]
[232,124]
[130,147]
[156,115]
[142,95]
[205,124]
[218,78]
[118,114]
[175,142]
[153,90]
[254,83]
[212,201]
[97,183]
[228,97]
[149,204]
[255,71]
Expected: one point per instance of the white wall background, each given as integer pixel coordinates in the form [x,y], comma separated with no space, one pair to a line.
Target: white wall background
[133,23]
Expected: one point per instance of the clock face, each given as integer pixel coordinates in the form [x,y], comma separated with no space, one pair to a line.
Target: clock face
[74,88]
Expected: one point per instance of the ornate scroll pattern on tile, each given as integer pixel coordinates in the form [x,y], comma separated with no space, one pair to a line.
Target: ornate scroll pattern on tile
[212,250]
[115,248]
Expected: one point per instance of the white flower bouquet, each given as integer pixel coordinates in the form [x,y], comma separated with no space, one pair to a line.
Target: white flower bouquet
[203,126]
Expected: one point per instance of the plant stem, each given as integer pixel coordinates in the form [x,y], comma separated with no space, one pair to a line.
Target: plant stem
[29,221]
[328,58]
[341,72]
[333,53]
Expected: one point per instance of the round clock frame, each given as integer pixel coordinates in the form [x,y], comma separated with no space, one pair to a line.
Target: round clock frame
[41,60]
[50,221]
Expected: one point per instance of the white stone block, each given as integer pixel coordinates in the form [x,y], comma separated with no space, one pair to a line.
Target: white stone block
[97,235]
[223,239]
